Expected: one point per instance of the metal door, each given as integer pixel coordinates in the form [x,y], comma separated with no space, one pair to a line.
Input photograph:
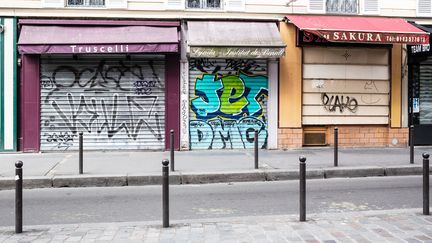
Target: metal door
[118,102]
[228,101]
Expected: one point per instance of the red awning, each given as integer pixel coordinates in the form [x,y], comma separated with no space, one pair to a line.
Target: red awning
[355,29]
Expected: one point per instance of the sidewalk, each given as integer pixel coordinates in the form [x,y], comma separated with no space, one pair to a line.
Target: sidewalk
[144,168]
[407,225]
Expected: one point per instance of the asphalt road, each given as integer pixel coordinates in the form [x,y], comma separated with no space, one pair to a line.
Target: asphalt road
[117,204]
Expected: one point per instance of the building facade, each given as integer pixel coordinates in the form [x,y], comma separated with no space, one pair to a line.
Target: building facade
[215,88]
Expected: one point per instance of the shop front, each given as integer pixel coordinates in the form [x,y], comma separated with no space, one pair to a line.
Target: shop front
[419,91]
[106,79]
[346,73]
[230,85]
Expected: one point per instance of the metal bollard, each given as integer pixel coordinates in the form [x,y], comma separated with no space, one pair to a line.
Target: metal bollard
[256,148]
[411,144]
[302,188]
[165,193]
[336,135]
[172,149]
[81,153]
[18,197]
[425,183]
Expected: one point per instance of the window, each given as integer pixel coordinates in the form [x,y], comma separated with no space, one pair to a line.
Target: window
[204,4]
[424,8]
[86,3]
[342,6]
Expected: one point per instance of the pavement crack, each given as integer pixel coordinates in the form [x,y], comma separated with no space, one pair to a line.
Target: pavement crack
[58,163]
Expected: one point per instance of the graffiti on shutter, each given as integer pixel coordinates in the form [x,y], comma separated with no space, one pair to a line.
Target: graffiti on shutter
[117,102]
[228,103]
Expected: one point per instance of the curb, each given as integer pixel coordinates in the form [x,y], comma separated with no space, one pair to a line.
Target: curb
[88,181]
[357,172]
[179,178]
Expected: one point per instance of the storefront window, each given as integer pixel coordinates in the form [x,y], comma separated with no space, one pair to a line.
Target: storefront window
[86,3]
[204,4]
[342,6]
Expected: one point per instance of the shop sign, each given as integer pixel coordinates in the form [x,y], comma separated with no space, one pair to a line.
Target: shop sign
[98,48]
[420,48]
[236,52]
[80,49]
[363,37]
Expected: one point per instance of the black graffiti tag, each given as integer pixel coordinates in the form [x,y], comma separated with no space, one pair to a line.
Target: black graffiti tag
[107,76]
[335,101]
[105,115]
[62,139]
[246,66]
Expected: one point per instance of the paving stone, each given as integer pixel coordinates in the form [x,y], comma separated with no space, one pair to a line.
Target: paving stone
[360,227]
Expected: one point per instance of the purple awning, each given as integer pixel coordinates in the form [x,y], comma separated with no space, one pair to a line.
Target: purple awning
[38,39]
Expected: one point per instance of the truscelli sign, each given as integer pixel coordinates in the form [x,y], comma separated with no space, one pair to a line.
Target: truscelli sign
[237,52]
[99,48]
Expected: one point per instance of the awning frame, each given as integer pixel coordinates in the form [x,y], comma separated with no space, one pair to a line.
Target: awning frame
[97,36]
[375,34]
[210,45]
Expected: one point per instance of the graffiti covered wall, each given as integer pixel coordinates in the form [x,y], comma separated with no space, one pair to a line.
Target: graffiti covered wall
[117,102]
[228,102]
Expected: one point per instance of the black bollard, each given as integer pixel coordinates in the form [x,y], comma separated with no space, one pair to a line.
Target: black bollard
[411,144]
[302,188]
[336,134]
[425,183]
[165,193]
[256,148]
[172,149]
[18,197]
[80,152]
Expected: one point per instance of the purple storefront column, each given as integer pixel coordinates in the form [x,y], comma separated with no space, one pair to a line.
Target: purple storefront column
[172,99]
[29,104]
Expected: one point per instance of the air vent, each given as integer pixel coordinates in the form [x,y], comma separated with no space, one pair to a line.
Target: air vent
[316,6]
[371,6]
[314,136]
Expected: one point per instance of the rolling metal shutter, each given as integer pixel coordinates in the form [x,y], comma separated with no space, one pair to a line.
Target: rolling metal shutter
[118,102]
[425,77]
[228,101]
[345,86]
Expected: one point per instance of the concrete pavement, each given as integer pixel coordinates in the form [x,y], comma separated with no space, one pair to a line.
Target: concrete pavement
[118,168]
[407,225]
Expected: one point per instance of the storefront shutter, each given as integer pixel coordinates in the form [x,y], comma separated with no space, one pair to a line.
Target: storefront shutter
[175,4]
[228,101]
[424,8]
[53,3]
[371,6]
[118,102]
[316,6]
[116,3]
[235,5]
[345,86]
[425,77]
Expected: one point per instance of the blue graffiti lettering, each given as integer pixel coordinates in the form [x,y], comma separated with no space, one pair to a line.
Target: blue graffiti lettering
[231,96]
[230,134]
[206,89]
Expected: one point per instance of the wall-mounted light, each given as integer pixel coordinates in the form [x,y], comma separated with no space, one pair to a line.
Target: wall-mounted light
[1,28]
[19,62]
